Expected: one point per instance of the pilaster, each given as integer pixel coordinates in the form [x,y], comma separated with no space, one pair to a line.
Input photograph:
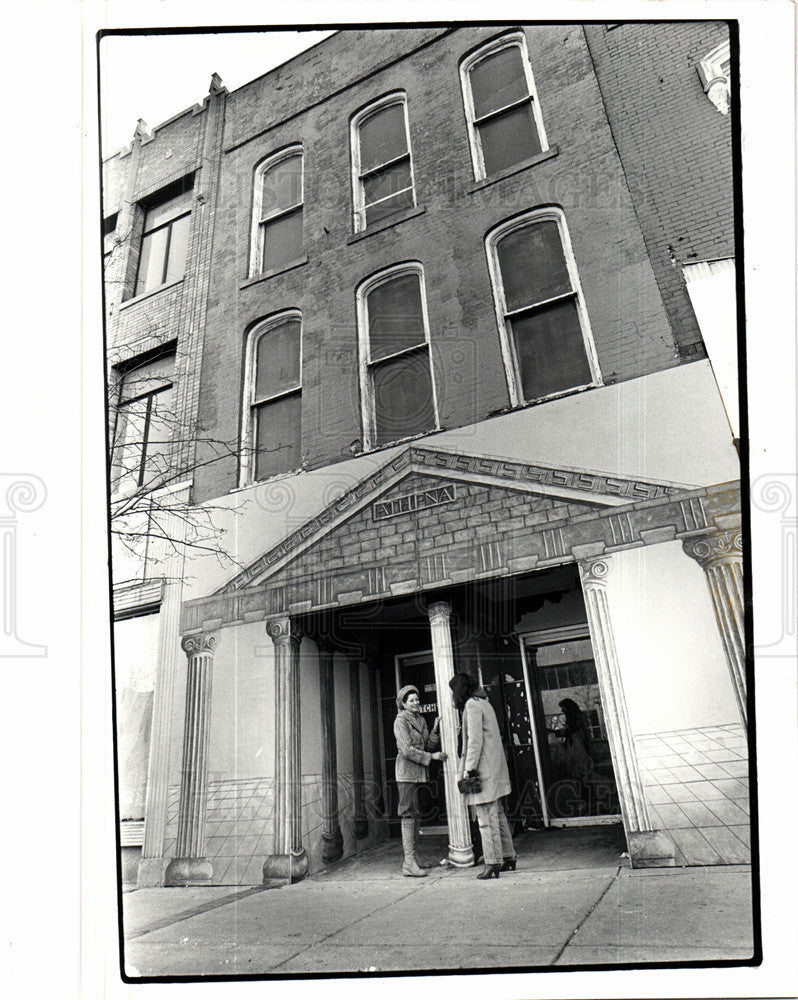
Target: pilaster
[361,825]
[289,860]
[720,555]
[190,867]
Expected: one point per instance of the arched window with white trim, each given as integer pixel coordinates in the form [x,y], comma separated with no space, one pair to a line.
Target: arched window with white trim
[397,375]
[504,121]
[382,165]
[272,424]
[543,324]
[277,212]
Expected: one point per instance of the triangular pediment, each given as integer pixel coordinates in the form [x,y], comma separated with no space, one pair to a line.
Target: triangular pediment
[423,500]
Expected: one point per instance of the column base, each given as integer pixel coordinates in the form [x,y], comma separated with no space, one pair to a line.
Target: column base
[651,849]
[461,857]
[286,867]
[152,873]
[333,848]
[361,829]
[188,871]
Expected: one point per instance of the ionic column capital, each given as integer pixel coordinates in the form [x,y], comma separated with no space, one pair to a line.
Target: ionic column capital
[203,642]
[284,631]
[719,547]
[594,572]
[440,612]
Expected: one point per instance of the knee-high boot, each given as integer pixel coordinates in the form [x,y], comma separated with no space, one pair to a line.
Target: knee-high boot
[410,867]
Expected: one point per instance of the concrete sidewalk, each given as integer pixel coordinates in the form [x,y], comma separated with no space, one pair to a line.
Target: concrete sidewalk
[362,915]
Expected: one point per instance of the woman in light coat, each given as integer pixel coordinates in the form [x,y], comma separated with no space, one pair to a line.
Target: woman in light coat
[415,748]
[483,756]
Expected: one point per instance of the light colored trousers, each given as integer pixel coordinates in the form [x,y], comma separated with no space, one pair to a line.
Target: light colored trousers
[497,841]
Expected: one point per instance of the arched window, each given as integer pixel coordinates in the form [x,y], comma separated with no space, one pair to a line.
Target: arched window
[397,377]
[545,333]
[277,212]
[504,121]
[382,167]
[272,424]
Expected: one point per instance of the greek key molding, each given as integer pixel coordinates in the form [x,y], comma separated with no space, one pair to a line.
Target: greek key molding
[718,547]
[205,642]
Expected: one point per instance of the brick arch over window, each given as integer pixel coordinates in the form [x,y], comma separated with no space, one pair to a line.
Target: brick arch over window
[544,329]
[272,411]
[505,125]
[382,162]
[277,210]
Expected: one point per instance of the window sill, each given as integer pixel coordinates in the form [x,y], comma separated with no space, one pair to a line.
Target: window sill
[275,271]
[517,168]
[147,295]
[373,449]
[388,223]
[250,483]
[529,403]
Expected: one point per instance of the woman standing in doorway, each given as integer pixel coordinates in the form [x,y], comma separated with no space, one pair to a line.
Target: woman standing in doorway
[415,748]
[483,757]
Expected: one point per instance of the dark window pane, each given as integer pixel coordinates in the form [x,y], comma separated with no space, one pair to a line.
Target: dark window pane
[387,182]
[403,397]
[282,186]
[151,261]
[385,208]
[498,80]
[278,436]
[551,351]
[282,240]
[178,245]
[395,316]
[382,137]
[532,265]
[169,210]
[277,361]
[508,138]
[159,436]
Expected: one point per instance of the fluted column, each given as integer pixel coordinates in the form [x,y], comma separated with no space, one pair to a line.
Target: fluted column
[361,824]
[330,830]
[721,557]
[289,860]
[461,850]
[190,867]
[376,750]
[647,847]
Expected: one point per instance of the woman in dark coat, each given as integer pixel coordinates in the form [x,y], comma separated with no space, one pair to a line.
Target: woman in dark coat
[483,755]
[415,748]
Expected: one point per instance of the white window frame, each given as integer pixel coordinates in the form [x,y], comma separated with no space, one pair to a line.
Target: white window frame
[258,223]
[358,188]
[369,416]
[503,317]
[248,422]
[518,40]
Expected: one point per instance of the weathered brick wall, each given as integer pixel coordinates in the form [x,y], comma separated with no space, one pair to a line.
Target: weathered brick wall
[675,147]
[585,177]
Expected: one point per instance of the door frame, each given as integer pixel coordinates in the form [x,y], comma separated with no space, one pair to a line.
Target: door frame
[546,636]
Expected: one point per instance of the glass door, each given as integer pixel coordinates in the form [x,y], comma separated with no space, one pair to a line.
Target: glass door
[418,669]
[573,754]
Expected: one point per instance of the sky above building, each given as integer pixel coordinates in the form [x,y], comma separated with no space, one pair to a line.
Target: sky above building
[156,76]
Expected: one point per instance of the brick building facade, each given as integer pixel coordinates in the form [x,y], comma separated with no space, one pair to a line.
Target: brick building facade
[411,335]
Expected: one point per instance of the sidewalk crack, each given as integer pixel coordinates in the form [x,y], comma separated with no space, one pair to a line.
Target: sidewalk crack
[586,917]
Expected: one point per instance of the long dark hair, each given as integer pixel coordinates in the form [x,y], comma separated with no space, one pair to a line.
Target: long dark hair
[463,686]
